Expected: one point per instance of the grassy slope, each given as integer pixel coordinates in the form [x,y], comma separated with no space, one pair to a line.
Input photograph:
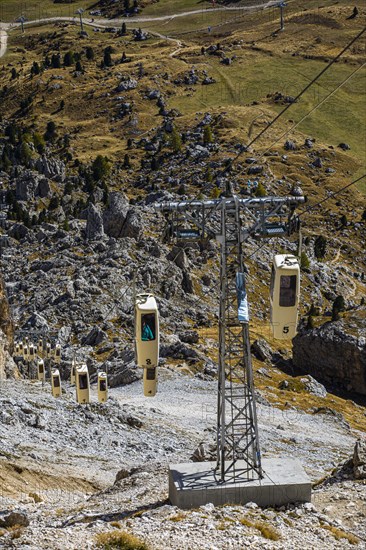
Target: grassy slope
[36,9]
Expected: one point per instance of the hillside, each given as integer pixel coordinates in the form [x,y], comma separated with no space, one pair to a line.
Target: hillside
[94,129]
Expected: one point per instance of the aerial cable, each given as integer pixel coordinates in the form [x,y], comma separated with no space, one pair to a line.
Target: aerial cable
[331,196]
[313,109]
[299,95]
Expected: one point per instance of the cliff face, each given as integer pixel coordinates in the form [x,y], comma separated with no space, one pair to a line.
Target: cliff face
[335,353]
[6,323]
[7,365]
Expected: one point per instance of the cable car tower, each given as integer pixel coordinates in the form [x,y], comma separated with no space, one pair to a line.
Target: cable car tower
[232,221]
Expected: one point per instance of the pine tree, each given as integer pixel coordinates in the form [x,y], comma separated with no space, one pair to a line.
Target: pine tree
[79,67]
[176,141]
[320,247]
[69,59]
[126,161]
[89,53]
[100,168]
[107,58]
[124,29]
[50,133]
[207,135]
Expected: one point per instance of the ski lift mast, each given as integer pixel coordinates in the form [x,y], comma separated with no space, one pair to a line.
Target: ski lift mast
[232,221]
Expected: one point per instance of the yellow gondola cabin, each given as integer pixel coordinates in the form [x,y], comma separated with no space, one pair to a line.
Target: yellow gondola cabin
[284,296]
[82,384]
[146,331]
[58,354]
[56,383]
[41,373]
[102,387]
[150,380]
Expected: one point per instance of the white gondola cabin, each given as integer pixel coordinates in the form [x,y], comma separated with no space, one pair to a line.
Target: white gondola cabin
[25,352]
[21,349]
[82,384]
[41,372]
[73,373]
[40,348]
[284,296]
[146,331]
[58,354]
[16,349]
[48,353]
[150,380]
[32,352]
[56,383]
[102,387]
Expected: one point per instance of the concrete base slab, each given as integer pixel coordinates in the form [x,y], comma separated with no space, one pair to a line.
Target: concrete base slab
[196,483]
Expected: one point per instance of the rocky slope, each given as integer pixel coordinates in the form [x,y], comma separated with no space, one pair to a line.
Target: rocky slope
[75,472]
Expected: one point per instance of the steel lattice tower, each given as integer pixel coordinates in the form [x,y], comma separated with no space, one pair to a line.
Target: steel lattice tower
[231,221]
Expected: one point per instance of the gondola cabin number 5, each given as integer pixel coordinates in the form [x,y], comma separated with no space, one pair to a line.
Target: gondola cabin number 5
[284,296]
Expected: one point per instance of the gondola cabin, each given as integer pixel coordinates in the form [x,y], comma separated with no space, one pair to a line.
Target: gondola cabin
[72,373]
[284,296]
[41,373]
[82,384]
[150,380]
[48,354]
[32,352]
[146,331]
[21,349]
[56,383]
[58,354]
[25,352]
[40,348]
[102,387]
[16,349]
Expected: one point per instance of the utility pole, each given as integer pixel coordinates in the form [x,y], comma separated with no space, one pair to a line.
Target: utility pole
[80,12]
[282,5]
[232,221]
[21,20]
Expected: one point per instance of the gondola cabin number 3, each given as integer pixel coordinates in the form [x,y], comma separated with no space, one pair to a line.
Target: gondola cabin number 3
[284,296]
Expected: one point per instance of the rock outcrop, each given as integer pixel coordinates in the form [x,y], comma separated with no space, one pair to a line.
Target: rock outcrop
[335,353]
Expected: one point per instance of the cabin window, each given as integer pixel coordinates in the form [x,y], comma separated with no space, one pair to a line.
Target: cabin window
[102,385]
[40,369]
[148,327]
[272,282]
[150,374]
[288,290]
[83,381]
[56,381]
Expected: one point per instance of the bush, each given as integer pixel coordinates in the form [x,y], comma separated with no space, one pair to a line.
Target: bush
[260,191]
[304,261]
[176,141]
[120,540]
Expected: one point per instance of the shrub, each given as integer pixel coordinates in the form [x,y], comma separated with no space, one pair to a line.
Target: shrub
[120,540]
[260,191]
[89,53]
[304,261]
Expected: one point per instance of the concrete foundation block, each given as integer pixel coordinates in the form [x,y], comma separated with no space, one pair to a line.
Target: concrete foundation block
[194,484]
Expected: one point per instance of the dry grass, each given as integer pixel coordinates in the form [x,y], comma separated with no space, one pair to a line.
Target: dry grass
[178,517]
[120,540]
[266,530]
[339,534]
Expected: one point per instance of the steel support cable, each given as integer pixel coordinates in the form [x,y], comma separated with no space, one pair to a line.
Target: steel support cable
[331,196]
[313,109]
[299,95]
